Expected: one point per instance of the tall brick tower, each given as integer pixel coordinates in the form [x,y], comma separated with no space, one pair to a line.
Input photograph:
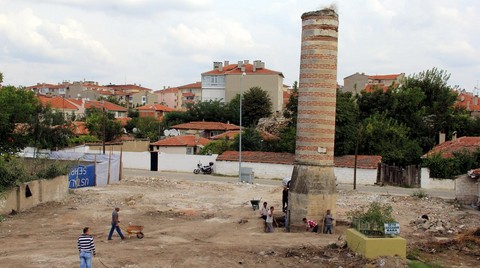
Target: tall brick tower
[312,189]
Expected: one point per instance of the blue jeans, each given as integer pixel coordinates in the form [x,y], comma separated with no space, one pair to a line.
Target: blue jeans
[85,259]
[118,231]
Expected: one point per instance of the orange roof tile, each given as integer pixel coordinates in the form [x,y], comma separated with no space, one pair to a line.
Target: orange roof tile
[259,157]
[129,87]
[155,107]
[468,101]
[192,85]
[447,148]
[123,120]
[185,140]
[233,69]
[167,90]
[201,125]
[371,87]
[57,103]
[232,133]
[108,106]
[384,77]
[80,128]
[363,161]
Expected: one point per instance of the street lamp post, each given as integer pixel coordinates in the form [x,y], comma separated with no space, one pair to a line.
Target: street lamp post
[240,136]
[103,123]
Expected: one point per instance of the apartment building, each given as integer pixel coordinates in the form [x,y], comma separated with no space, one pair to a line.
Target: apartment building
[169,97]
[357,82]
[227,80]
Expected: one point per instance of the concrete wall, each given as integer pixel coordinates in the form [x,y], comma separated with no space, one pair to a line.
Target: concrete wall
[183,162]
[467,189]
[136,160]
[42,191]
[271,171]
[432,183]
[271,83]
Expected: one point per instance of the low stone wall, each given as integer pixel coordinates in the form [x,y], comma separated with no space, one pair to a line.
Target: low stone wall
[372,248]
[467,190]
[30,194]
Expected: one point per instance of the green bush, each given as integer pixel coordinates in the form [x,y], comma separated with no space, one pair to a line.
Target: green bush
[12,171]
[83,139]
[371,221]
[448,168]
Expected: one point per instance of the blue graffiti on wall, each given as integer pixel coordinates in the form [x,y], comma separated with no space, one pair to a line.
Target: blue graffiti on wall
[81,176]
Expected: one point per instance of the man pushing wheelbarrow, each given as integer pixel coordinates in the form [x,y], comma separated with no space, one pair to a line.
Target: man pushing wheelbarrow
[131,229]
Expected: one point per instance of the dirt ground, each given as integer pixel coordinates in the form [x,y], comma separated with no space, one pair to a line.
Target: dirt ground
[212,224]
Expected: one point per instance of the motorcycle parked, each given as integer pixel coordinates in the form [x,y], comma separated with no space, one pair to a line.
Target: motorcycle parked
[205,169]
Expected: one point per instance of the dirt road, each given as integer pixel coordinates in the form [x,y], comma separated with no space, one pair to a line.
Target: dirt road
[189,223]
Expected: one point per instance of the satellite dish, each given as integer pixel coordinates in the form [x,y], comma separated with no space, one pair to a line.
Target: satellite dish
[174,132]
[135,130]
[166,132]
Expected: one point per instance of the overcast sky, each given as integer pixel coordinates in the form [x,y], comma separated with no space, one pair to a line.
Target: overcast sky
[159,43]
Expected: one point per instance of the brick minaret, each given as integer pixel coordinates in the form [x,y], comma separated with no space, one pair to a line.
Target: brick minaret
[312,189]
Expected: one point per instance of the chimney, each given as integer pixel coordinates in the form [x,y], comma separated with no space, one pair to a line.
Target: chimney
[454,136]
[312,190]
[197,137]
[441,137]
[226,63]
[217,65]
[245,61]
[239,64]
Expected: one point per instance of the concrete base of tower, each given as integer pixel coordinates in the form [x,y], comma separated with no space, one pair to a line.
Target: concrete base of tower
[312,192]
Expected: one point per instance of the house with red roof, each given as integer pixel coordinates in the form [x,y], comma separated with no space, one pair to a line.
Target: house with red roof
[170,97]
[205,129]
[117,110]
[226,80]
[230,135]
[153,110]
[190,94]
[469,101]
[446,149]
[358,82]
[184,144]
[60,105]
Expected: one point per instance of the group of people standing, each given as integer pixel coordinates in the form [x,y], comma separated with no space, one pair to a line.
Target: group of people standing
[267,215]
[86,245]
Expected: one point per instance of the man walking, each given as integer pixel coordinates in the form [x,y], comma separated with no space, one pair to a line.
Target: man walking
[86,248]
[115,224]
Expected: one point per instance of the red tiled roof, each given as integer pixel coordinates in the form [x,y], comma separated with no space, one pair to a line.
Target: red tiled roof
[155,107]
[108,106]
[384,77]
[167,90]
[363,161]
[447,148]
[129,87]
[123,120]
[259,157]
[80,128]
[232,133]
[233,69]
[201,125]
[57,103]
[468,100]
[192,85]
[371,87]
[185,140]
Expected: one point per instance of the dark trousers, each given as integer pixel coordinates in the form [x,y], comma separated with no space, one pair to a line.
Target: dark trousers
[118,231]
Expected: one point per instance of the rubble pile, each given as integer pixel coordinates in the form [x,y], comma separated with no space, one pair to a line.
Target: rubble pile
[438,226]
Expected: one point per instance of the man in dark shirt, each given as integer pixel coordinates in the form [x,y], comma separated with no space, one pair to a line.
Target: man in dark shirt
[115,224]
[86,248]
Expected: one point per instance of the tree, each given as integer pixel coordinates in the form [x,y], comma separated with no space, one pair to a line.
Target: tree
[346,123]
[438,104]
[256,104]
[147,127]
[97,121]
[212,110]
[18,109]
[384,136]
[50,130]
[251,140]
[291,108]
[232,110]
[217,147]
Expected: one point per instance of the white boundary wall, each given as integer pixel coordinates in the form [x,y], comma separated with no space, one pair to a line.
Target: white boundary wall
[431,183]
[184,162]
[136,160]
[364,176]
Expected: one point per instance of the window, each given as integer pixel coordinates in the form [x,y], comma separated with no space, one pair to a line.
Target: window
[144,99]
[189,150]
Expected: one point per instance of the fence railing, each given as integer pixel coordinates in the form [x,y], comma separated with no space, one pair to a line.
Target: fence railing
[408,176]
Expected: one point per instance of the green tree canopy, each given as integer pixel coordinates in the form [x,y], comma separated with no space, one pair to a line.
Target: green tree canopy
[256,104]
[147,127]
[346,123]
[18,108]
[251,140]
[291,108]
[97,121]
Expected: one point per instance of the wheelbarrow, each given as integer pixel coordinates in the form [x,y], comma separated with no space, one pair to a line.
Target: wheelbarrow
[135,230]
[255,203]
